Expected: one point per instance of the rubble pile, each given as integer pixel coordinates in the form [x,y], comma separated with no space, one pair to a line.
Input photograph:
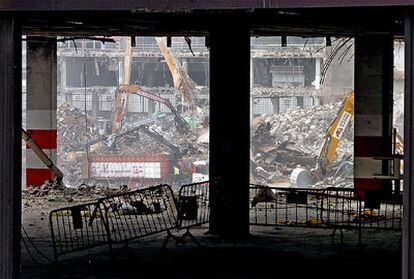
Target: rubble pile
[78,138]
[52,192]
[285,91]
[158,136]
[134,143]
[74,128]
[399,112]
[281,142]
[189,143]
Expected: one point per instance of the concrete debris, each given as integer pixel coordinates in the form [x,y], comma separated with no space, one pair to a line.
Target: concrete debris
[281,142]
[294,51]
[286,91]
[398,118]
[78,139]
[74,128]
[51,192]
[134,143]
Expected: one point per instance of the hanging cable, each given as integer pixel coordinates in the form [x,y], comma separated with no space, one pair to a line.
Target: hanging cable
[30,241]
[85,109]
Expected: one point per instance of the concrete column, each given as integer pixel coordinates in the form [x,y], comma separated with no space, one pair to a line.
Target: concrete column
[120,72]
[95,105]
[373,113]
[151,107]
[186,65]
[10,147]
[63,74]
[408,222]
[63,82]
[317,81]
[69,96]
[41,106]
[299,101]
[251,87]
[229,128]
[276,105]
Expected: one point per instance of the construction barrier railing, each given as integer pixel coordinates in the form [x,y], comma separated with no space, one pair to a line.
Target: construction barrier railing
[193,208]
[332,208]
[194,205]
[127,216]
[77,228]
[140,213]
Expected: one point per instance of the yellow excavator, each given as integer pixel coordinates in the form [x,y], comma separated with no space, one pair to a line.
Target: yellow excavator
[334,134]
[303,178]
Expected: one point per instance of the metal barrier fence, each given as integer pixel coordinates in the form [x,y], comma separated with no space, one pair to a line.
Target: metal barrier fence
[77,228]
[324,208]
[193,205]
[128,216]
[140,213]
[114,219]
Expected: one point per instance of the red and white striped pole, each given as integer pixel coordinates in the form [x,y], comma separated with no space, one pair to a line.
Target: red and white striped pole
[41,107]
[373,113]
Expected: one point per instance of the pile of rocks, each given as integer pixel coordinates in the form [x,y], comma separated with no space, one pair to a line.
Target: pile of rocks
[74,128]
[78,138]
[51,192]
[280,142]
[399,112]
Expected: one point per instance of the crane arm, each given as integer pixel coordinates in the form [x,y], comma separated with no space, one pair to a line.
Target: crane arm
[335,132]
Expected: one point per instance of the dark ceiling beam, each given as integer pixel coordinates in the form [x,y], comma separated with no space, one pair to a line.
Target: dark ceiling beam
[299,22]
[175,5]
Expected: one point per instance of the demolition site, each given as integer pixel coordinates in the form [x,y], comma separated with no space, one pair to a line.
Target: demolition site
[192,139]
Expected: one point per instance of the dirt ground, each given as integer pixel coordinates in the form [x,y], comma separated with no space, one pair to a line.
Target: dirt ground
[269,253]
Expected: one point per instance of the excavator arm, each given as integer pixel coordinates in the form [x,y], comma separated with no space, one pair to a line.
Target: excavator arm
[119,110]
[182,82]
[304,178]
[119,107]
[42,156]
[334,134]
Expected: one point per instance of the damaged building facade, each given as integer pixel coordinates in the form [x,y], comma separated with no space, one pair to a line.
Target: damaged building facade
[288,71]
[285,76]
[247,96]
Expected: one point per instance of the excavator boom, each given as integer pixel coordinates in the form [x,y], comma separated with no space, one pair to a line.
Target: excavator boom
[119,108]
[135,89]
[42,156]
[182,82]
[335,133]
[301,177]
